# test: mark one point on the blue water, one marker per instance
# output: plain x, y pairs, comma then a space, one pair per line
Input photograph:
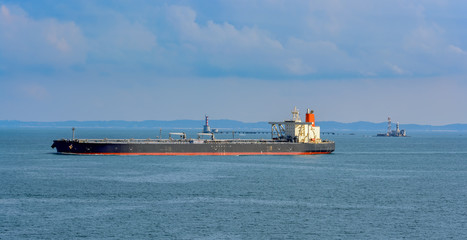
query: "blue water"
369, 188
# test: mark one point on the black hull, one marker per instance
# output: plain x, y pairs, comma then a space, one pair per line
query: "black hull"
191, 148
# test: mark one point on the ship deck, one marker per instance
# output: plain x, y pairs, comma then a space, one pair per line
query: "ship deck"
183, 141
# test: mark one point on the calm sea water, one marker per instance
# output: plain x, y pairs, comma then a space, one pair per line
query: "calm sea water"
369, 188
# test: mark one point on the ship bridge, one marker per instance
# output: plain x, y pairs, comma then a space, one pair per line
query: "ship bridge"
295, 130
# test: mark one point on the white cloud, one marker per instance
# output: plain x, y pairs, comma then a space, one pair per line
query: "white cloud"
396, 69
47, 41
425, 39
297, 67
223, 44
228, 46
271, 46
116, 41
214, 35
317, 56
304, 38
326, 17
51, 42
456, 49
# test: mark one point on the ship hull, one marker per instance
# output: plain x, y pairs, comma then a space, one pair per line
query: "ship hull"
189, 148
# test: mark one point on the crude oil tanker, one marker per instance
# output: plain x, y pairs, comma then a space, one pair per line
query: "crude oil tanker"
290, 137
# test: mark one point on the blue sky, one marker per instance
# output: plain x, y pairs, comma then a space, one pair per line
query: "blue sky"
359, 60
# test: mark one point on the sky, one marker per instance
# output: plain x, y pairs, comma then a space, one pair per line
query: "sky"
247, 60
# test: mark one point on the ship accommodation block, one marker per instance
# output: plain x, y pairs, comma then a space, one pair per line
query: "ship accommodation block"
303, 132
295, 130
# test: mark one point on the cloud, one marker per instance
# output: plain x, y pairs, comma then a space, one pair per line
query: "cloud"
213, 35
297, 67
321, 57
396, 69
457, 50
223, 45
331, 41
122, 39
244, 48
246, 54
47, 41
425, 39
261, 38
326, 17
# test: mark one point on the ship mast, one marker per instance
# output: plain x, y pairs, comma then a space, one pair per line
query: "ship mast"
296, 115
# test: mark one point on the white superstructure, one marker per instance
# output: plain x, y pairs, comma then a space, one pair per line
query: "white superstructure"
295, 130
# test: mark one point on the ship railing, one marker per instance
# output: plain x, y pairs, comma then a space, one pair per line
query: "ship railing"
121, 141
184, 141
106, 140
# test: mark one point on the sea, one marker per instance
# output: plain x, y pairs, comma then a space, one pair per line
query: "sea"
369, 188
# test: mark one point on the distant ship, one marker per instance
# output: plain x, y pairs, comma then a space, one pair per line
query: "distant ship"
393, 133
290, 137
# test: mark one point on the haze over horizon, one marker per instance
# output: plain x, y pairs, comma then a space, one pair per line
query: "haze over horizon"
234, 59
